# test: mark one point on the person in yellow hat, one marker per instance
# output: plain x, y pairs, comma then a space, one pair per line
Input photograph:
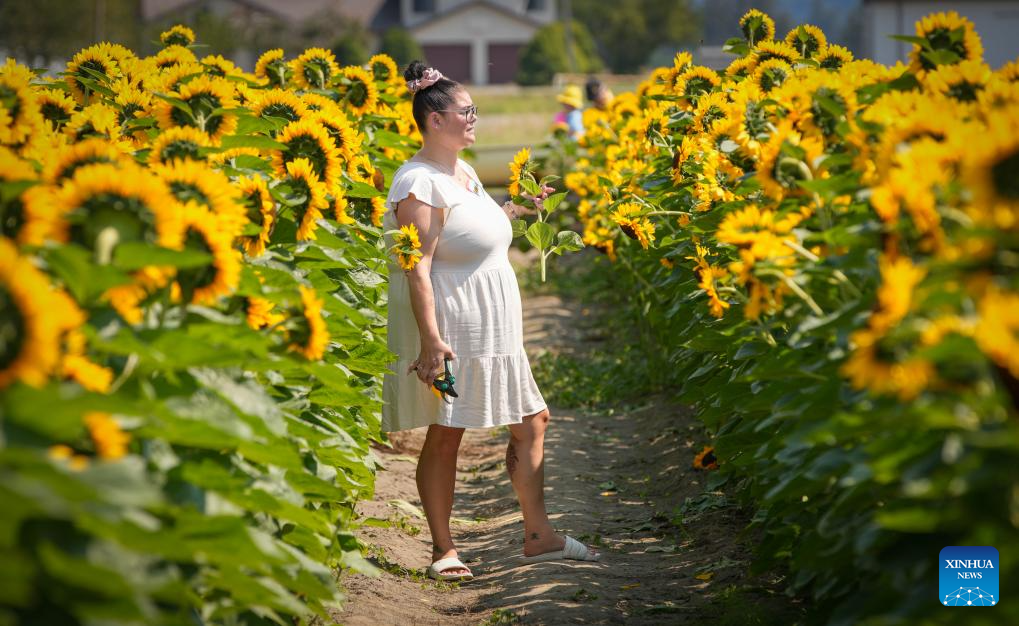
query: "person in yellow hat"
570, 116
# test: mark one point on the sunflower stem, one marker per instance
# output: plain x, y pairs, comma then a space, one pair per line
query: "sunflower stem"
129, 367
841, 277
106, 242
795, 289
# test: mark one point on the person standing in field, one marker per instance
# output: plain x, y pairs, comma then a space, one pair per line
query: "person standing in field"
570, 115
458, 310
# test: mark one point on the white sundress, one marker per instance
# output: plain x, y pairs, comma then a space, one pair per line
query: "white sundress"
477, 310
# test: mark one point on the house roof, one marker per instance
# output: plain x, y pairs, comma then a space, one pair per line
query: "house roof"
467, 6
362, 11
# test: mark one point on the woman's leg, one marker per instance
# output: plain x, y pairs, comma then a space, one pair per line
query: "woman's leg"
525, 463
436, 477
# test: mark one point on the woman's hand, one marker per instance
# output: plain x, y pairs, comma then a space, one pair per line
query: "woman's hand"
429, 363
519, 211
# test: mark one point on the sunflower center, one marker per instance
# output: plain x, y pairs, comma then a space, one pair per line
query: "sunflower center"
10, 101
180, 150
253, 204
697, 85
381, 71
964, 91
832, 62
945, 39
185, 191
128, 216
12, 329
73, 166
197, 277
280, 109
56, 114
357, 95
307, 147
12, 218
1005, 174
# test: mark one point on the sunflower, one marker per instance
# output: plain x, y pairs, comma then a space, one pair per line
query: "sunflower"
55, 106
206, 233
261, 212
771, 74
127, 299
899, 278
760, 232
177, 35
776, 50
706, 459
279, 103
757, 27
86, 152
406, 246
997, 329
945, 32
98, 58
807, 40
179, 143
342, 208
712, 112
20, 117
91, 376
315, 68
833, 57
873, 366
304, 183
103, 203
259, 313
345, 137
383, 69
359, 90
629, 217
203, 96
195, 181
217, 65
991, 171
15, 219
30, 321
518, 167
174, 55
788, 157
272, 67
961, 82
695, 82
97, 120
741, 67
310, 338
307, 139
109, 440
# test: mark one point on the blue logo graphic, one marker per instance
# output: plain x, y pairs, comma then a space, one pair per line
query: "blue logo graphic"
968, 576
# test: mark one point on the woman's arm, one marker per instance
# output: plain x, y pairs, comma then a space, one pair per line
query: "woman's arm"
434, 349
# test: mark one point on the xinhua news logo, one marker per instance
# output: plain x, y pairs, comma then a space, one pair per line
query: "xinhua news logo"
969, 576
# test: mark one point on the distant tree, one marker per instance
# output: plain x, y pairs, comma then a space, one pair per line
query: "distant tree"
50, 30
626, 31
399, 44
351, 47
720, 18
546, 54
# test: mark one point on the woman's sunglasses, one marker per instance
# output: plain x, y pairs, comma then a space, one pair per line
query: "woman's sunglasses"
469, 113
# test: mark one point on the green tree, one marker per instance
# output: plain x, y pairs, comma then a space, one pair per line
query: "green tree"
351, 48
627, 31
546, 54
399, 44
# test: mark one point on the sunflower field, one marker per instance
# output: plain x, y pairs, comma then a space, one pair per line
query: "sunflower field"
822, 254
192, 331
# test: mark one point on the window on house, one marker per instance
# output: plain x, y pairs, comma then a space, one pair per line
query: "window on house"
536, 5
424, 6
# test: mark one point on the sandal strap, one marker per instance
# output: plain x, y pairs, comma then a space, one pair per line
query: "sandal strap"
448, 563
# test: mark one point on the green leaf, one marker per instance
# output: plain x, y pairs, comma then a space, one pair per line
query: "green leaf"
568, 241
540, 234
519, 228
132, 255
357, 189
251, 141
552, 202
529, 186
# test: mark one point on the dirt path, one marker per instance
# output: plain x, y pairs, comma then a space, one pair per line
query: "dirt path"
613, 480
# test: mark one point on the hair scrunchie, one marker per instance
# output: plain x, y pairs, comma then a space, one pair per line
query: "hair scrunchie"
428, 78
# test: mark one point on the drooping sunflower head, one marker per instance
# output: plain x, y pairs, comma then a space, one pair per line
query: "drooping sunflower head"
203, 96
358, 91
776, 50
86, 152
207, 233
273, 68
56, 107
174, 55
771, 74
961, 81
31, 321
991, 171
182, 142
786, 159
105, 204
345, 137
194, 181
177, 35
695, 82
315, 68
833, 57
306, 328
706, 459
20, 117
950, 38
807, 40
218, 65
281, 104
84, 66
95, 120
757, 27
261, 213
307, 139
741, 67
309, 194
630, 218
384, 69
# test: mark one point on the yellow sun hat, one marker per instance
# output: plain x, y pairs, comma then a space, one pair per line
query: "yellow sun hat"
572, 96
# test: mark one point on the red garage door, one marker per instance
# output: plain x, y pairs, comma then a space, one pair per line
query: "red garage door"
453, 60
503, 62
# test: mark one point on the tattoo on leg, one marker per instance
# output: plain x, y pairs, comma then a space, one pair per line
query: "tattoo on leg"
511, 459
437, 550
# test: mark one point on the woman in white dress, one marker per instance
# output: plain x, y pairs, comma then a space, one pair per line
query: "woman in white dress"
461, 302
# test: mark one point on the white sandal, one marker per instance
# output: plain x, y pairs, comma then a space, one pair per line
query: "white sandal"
435, 570
572, 551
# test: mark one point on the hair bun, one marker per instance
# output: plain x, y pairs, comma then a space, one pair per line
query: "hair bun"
415, 70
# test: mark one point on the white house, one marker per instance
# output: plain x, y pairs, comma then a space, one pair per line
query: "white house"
996, 21
475, 41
